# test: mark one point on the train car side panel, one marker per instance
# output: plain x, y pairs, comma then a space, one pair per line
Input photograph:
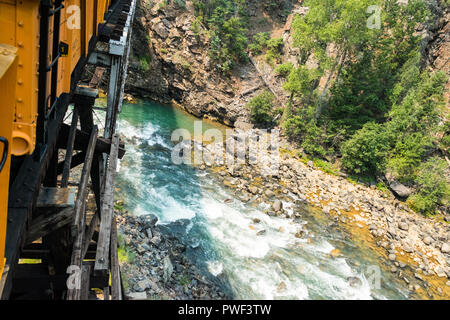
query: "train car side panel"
88, 26
73, 37
8, 72
27, 42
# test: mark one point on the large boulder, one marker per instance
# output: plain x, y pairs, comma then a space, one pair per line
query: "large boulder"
277, 205
400, 189
167, 269
161, 30
445, 248
242, 125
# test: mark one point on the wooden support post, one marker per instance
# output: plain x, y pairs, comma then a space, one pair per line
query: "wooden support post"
113, 93
97, 78
107, 211
75, 162
78, 224
87, 123
106, 293
82, 140
89, 233
80, 213
69, 150
116, 287
85, 281
44, 225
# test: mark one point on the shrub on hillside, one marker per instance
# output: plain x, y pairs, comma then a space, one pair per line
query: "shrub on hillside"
432, 186
366, 151
261, 108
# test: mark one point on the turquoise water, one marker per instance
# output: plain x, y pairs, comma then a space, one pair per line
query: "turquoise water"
190, 204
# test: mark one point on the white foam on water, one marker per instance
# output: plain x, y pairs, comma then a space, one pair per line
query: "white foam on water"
158, 140
171, 208
215, 267
337, 287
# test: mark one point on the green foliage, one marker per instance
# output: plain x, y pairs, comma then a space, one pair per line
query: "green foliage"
371, 69
261, 108
180, 3
283, 70
162, 5
414, 125
401, 143
300, 82
226, 21
274, 50
144, 63
274, 47
125, 253
119, 206
184, 280
366, 151
259, 42
325, 166
196, 27
271, 5
444, 142
432, 185
302, 128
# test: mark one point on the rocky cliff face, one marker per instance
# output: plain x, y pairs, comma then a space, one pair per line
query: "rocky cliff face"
437, 49
169, 62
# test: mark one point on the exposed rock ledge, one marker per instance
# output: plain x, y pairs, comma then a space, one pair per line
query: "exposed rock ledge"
172, 65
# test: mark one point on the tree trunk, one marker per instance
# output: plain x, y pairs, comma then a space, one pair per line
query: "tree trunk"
339, 62
288, 109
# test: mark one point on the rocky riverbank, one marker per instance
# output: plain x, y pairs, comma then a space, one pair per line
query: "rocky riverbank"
415, 248
154, 265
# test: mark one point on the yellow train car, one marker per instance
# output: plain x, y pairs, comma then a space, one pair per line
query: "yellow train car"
41, 44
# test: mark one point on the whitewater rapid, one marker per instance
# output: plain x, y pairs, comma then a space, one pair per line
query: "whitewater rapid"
221, 235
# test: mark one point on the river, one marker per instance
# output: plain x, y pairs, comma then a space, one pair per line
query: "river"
221, 236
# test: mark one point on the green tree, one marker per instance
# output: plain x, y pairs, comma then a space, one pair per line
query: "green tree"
365, 153
432, 186
261, 108
226, 21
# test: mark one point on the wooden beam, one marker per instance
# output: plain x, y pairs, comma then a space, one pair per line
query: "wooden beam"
87, 123
79, 221
89, 233
107, 211
69, 149
106, 293
80, 213
82, 139
85, 283
116, 283
75, 162
98, 74
37, 251
55, 198
46, 224
52, 221
36, 276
